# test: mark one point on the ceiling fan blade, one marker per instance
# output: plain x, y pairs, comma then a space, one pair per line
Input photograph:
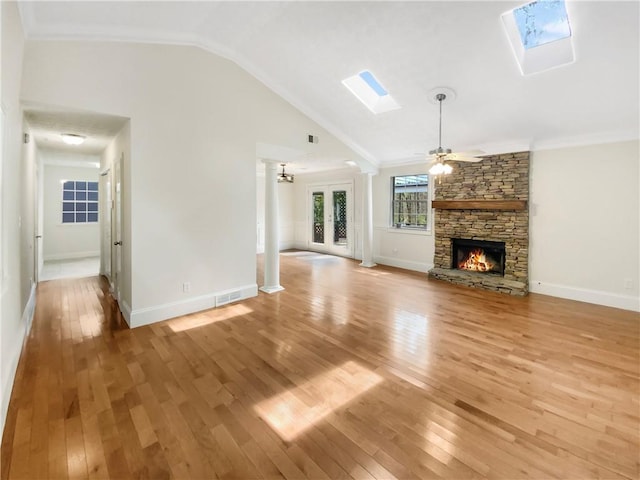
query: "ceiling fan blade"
471, 153
465, 159
460, 157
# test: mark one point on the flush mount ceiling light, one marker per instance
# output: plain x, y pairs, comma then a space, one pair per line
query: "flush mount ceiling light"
440, 155
72, 138
284, 177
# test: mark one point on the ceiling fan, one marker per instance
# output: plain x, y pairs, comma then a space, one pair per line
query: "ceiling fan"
441, 155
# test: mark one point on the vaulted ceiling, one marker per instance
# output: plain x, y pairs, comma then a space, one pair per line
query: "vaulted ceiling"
303, 50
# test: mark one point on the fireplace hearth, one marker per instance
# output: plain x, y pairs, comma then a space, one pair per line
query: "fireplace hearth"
480, 256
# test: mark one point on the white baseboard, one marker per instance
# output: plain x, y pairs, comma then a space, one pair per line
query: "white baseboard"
7, 383
148, 315
71, 256
125, 309
14, 356
286, 245
406, 264
29, 309
626, 302
300, 245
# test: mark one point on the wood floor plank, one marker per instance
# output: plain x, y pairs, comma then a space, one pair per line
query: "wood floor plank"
348, 373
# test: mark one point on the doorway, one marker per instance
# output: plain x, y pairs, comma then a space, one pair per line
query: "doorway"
330, 214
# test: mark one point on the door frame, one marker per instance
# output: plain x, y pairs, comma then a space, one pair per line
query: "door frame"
106, 202
116, 230
39, 220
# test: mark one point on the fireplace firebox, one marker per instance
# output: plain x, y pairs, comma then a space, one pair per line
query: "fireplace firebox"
478, 256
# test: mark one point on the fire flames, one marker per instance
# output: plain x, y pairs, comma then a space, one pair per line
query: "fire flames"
477, 262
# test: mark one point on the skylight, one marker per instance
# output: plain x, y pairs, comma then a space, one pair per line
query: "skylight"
542, 22
540, 35
366, 87
368, 77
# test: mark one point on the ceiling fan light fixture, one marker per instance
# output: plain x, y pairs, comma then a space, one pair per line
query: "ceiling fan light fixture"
72, 138
440, 168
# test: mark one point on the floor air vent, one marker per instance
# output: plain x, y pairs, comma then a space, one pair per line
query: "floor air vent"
228, 298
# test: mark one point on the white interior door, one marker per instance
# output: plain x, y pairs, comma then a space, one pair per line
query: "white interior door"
116, 229
106, 196
331, 219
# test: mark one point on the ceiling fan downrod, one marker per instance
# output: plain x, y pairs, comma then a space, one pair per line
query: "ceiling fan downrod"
440, 97
440, 152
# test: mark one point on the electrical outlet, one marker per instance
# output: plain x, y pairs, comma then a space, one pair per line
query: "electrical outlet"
628, 283
186, 287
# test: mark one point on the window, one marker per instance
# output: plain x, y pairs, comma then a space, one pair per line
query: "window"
79, 202
410, 201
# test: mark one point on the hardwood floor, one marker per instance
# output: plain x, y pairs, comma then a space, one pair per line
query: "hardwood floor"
348, 373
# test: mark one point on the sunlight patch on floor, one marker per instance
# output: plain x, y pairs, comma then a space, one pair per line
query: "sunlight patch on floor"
181, 324
293, 411
411, 337
372, 272
70, 268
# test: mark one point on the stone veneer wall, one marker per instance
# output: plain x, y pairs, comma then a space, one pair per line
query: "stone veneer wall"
499, 177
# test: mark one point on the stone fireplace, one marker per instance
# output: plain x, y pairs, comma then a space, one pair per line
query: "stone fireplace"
481, 224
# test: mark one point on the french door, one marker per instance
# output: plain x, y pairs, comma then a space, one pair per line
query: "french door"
330, 216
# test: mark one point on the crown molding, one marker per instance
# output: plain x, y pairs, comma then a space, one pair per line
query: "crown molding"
130, 35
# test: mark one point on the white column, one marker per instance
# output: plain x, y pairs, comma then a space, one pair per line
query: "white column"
367, 220
271, 230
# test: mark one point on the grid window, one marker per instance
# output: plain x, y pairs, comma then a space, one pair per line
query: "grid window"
410, 204
79, 202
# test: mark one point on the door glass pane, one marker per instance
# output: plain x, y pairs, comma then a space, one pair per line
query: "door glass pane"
318, 217
339, 217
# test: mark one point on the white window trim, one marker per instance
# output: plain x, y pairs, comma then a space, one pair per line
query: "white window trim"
411, 230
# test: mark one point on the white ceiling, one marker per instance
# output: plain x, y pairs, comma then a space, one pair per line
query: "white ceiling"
303, 50
49, 123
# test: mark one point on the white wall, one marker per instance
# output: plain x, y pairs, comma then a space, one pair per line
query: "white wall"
286, 209
584, 224
64, 241
195, 121
401, 248
15, 312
